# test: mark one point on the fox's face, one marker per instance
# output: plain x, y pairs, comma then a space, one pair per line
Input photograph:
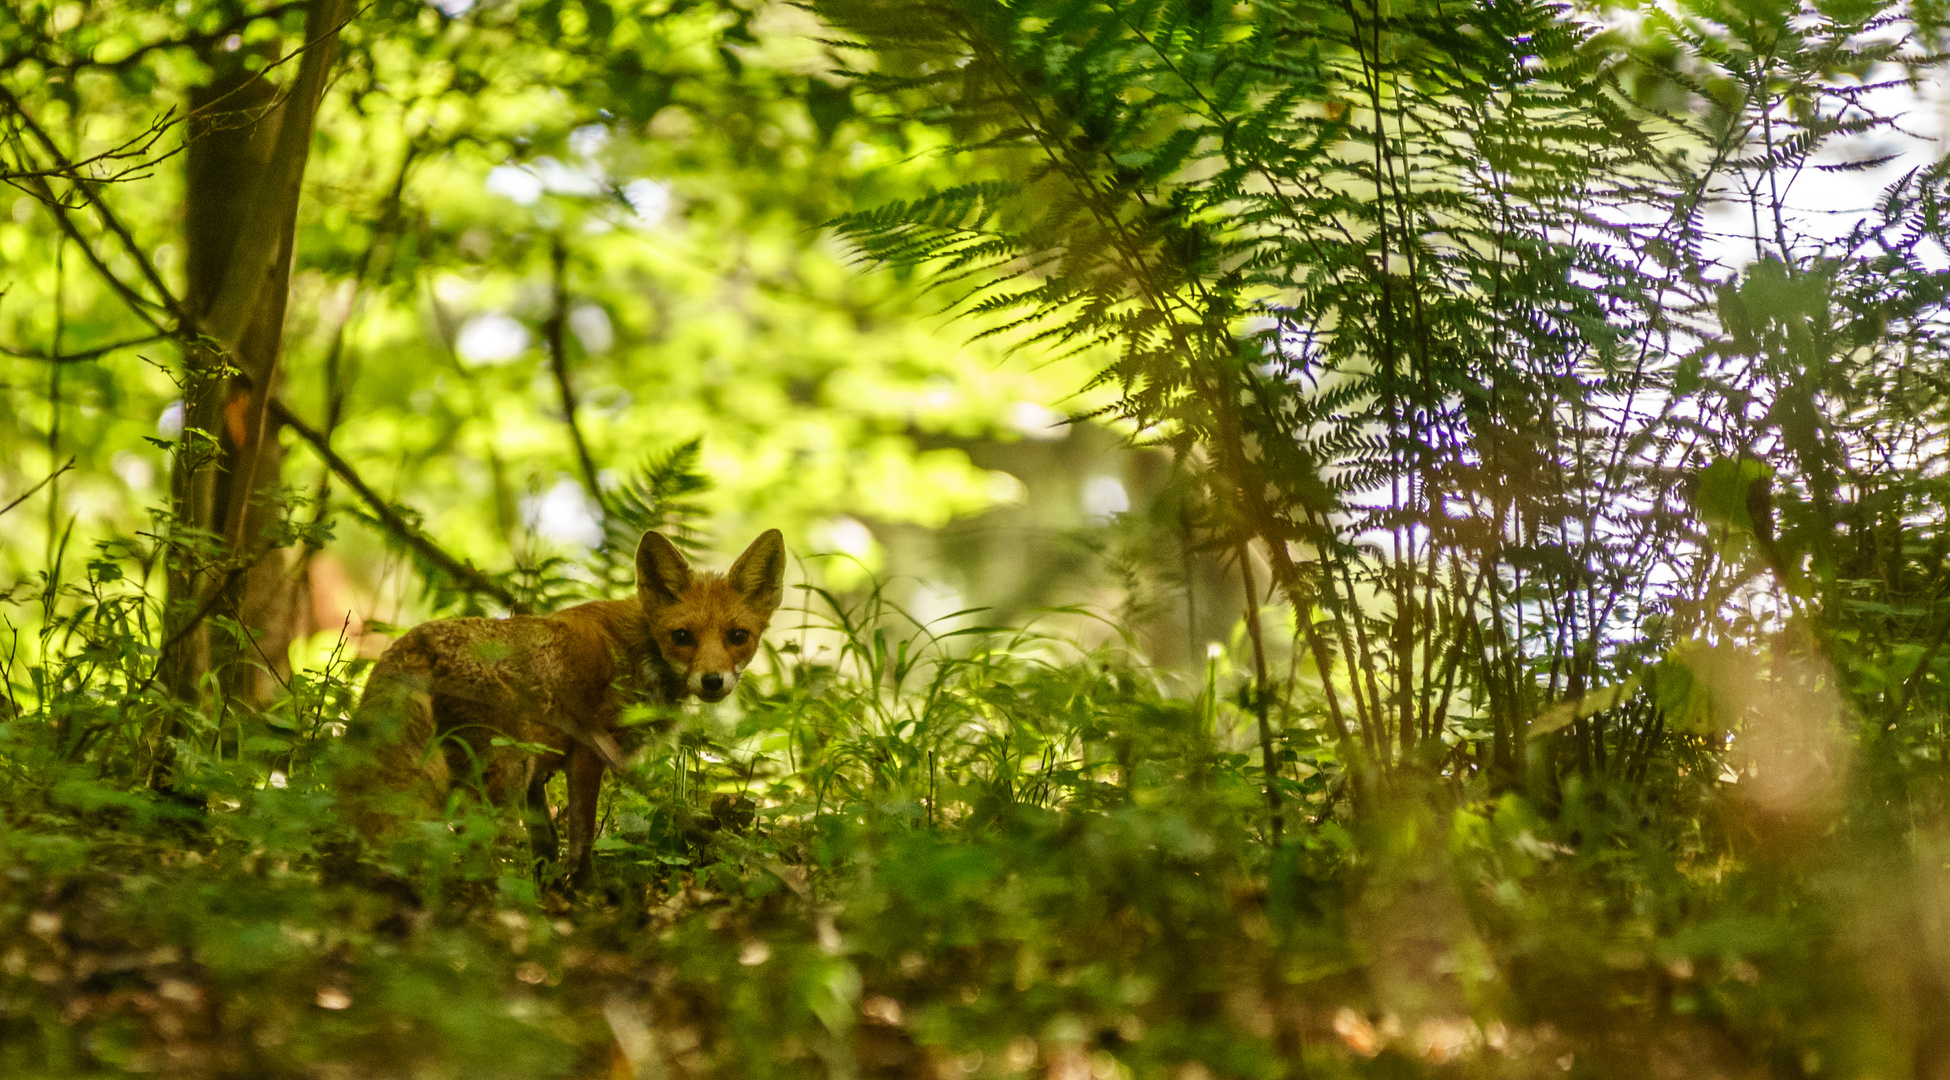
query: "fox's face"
706, 626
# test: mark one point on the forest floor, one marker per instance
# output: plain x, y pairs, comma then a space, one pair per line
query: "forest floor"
1157, 936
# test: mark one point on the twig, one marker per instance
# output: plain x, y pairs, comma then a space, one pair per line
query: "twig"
136, 147
165, 298
558, 362
168, 301
270, 665
137, 303
45, 481
83, 356
210, 603
7, 680
460, 570
1916, 675
387, 232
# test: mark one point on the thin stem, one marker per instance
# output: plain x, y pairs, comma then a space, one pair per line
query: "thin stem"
462, 572
558, 362
1269, 760
54, 392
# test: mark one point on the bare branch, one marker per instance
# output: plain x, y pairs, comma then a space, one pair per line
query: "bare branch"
310, 79
167, 298
210, 602
136, 146
558, 361
45, 481
136, 302
463, 572
84, 355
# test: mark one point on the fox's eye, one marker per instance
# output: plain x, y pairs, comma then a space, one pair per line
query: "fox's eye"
737, 637
683, 639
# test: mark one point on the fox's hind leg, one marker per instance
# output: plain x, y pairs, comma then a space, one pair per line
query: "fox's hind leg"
541, 826
519, 781
387, 768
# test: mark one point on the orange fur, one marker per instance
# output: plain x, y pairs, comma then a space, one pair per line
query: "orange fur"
443, 692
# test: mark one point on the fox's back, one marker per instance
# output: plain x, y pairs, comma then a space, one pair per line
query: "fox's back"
441, 695
518, 663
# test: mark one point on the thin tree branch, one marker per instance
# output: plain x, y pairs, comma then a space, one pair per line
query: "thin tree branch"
45, 481
558, 362
83, 356
136, 146
136, 302
182, 633
463, 572
166, 298
387, 232
310, 81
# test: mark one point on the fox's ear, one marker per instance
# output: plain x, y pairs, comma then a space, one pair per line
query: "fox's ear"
662, 575
759, 574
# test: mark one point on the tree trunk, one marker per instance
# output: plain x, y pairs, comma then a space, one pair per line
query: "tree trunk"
249, 139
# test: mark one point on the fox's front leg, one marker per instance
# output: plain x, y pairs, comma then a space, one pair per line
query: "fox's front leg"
585, 786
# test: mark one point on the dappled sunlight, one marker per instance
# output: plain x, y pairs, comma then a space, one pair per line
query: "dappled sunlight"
1294, 540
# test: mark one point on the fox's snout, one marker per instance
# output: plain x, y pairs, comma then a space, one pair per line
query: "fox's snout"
712, 685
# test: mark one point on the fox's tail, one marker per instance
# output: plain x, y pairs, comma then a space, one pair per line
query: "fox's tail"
388, 768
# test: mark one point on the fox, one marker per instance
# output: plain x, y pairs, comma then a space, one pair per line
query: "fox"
506, 703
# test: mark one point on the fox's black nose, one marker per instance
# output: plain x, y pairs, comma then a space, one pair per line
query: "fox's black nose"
712, 682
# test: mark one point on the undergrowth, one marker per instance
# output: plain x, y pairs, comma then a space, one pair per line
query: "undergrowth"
983, 853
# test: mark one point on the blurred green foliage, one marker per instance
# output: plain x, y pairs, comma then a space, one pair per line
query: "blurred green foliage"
683, 160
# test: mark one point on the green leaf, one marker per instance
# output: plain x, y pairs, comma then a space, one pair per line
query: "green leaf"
525, 747
1723, 493
1583, 707
829, 106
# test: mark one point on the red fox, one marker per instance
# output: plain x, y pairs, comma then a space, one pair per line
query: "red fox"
446, 692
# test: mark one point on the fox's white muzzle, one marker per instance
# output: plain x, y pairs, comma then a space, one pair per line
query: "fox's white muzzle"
712, 685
